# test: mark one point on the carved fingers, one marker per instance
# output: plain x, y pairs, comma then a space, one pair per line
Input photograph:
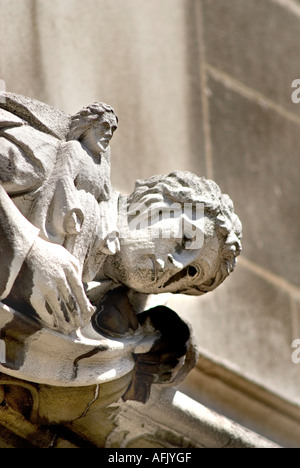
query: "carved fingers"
57, 294
169, 359
86, 309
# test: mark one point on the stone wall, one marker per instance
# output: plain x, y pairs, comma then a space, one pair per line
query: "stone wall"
200, 85
252, 136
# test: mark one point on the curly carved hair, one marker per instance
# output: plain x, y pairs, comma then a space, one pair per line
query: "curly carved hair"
86, 118
186, 187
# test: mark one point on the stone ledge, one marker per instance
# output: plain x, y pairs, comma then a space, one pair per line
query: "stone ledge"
170, 419
220, 386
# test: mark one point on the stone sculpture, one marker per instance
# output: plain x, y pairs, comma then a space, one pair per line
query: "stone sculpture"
81, 263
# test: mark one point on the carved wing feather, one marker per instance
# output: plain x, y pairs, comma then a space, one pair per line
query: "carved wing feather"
39, 115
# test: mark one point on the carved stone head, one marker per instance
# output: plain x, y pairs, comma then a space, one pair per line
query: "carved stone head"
180, 235
94, 126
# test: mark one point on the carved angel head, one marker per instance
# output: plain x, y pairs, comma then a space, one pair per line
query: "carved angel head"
94, 126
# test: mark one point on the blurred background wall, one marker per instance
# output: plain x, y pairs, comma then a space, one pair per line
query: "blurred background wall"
199, 85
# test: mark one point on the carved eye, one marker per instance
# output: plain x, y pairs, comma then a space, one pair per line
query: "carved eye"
192, 271
105, 126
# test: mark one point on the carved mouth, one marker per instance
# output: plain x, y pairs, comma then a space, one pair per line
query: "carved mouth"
189, 272
104, 142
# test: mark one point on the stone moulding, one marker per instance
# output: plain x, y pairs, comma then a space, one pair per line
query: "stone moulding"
84, 358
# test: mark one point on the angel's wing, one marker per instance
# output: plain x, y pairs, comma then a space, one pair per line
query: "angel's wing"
41, 116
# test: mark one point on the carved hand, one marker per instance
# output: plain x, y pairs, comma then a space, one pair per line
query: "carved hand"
57, 293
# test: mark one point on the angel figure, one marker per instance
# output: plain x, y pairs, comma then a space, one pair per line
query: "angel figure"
54, 181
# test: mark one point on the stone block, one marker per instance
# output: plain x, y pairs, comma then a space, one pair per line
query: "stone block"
255, 42
256, 160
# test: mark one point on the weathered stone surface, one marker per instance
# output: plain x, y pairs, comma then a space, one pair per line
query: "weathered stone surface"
254, 42
255, 152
